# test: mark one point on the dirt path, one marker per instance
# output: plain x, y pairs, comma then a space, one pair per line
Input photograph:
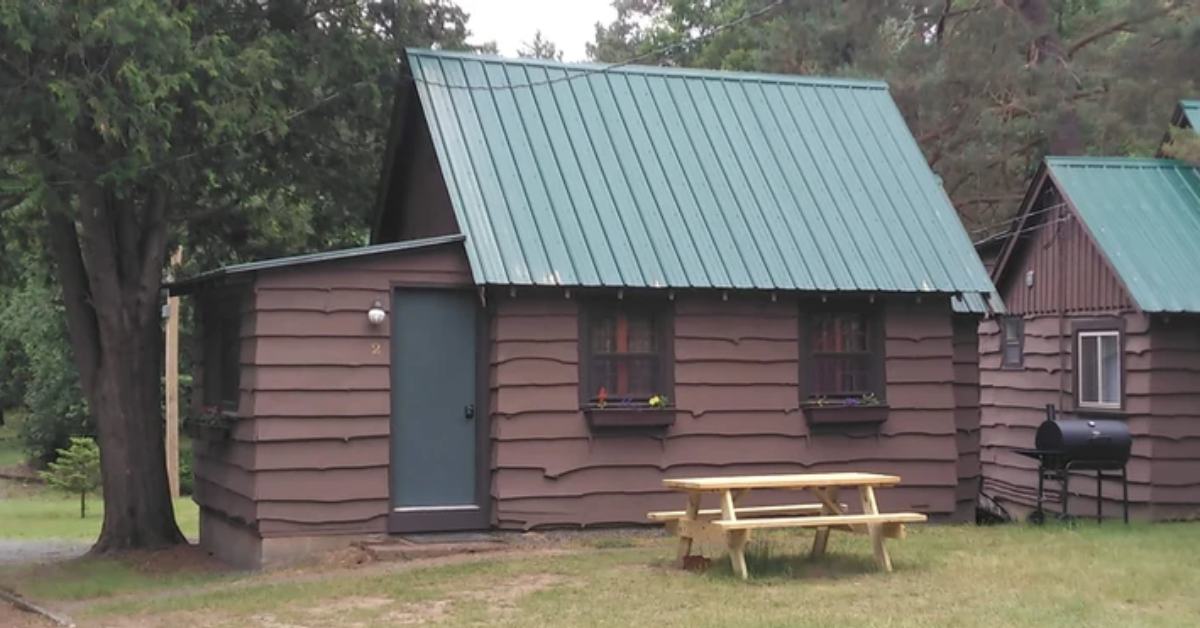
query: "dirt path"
12, 617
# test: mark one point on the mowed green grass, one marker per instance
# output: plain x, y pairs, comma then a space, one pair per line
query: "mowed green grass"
30, 512
1142, 575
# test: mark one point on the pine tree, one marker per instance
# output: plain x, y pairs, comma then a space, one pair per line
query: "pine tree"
77, 470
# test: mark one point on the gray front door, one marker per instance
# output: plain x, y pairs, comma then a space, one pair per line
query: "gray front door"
435, 423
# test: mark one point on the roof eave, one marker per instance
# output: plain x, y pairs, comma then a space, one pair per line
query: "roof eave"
192, 284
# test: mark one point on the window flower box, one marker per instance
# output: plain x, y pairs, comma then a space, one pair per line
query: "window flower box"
638, 416
845, 414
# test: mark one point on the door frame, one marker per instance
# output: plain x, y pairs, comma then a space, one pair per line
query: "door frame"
450, 519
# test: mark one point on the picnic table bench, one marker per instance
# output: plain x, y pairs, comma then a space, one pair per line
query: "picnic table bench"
731, 524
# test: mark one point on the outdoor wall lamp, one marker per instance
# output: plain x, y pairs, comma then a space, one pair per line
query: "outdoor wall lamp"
376, 315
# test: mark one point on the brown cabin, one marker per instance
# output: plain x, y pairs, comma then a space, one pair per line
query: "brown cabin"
1100, 275
583, 282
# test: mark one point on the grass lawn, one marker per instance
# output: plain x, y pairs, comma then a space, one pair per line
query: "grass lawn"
1143, 575
34, 512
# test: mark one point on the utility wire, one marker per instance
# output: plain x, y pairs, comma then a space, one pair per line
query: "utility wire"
1007, 234
1012, 219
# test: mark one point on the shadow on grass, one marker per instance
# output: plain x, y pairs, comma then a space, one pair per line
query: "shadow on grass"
767, 562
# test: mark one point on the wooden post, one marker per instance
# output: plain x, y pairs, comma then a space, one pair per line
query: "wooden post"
172, 381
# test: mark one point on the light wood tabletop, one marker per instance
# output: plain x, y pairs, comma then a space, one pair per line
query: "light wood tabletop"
793, 480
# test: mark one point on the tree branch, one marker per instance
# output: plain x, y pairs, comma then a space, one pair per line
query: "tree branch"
151, 253
1115, 27
81, 317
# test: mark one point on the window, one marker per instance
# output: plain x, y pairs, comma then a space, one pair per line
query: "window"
626, 354
1099, 363
844, 355
1012, 342
221, 326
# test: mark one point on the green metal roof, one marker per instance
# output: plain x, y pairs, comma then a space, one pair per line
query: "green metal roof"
186, 285
1144, 214
1190, 110
583, 175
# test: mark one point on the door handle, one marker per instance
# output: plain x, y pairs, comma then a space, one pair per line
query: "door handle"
469, 411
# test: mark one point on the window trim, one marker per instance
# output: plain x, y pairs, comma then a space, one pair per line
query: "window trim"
1093, 329
876, 343
663, 312
1004, 343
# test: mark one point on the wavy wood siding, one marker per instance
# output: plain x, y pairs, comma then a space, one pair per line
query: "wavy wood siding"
312, 454
737, 366
966, 413
1175, 405
1161, 395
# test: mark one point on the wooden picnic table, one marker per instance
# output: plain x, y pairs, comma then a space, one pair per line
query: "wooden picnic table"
731, 524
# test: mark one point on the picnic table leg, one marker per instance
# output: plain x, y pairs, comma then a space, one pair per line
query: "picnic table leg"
693, 513
737, 539
870, 507
829, 500
737, 552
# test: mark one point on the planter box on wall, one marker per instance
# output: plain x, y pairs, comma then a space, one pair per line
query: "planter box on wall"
845, 415
599, 418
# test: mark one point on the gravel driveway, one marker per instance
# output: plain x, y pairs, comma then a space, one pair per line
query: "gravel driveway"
15, 552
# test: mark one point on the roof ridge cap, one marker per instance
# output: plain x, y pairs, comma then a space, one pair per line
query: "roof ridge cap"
659, 70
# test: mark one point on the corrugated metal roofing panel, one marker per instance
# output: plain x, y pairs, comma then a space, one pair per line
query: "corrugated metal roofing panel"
1144, 214
573, 174
1191, 112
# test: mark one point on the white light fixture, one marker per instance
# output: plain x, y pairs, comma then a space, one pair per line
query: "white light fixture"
376, 315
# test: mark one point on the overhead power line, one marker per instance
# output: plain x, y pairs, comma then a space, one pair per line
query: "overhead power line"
1031, 229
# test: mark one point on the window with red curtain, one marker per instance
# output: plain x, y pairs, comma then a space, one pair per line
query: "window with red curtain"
626, 352
844, 359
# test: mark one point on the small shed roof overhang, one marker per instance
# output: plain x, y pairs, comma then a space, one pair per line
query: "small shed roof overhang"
233, 272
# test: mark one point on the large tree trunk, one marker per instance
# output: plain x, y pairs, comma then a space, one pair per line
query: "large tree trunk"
109, 263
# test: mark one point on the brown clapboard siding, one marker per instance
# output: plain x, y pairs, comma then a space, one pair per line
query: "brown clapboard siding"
311, 454
967, 413
736, 392
1174, 371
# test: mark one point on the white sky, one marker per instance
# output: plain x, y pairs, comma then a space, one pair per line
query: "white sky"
570, 24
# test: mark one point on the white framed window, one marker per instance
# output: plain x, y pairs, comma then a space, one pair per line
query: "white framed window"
1099, 364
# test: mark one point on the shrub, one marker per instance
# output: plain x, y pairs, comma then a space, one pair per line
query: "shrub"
31, 317
76, 471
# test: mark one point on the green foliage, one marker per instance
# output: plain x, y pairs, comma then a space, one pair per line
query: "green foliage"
76, 471
187, 477
540, 48
1183, 144
39, 362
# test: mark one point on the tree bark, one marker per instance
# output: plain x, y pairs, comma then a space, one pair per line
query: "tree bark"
110, 267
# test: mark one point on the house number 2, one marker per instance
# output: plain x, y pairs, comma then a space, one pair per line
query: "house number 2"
376, 348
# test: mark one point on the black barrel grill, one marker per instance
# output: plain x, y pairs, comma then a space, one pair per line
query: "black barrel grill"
1064, 445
